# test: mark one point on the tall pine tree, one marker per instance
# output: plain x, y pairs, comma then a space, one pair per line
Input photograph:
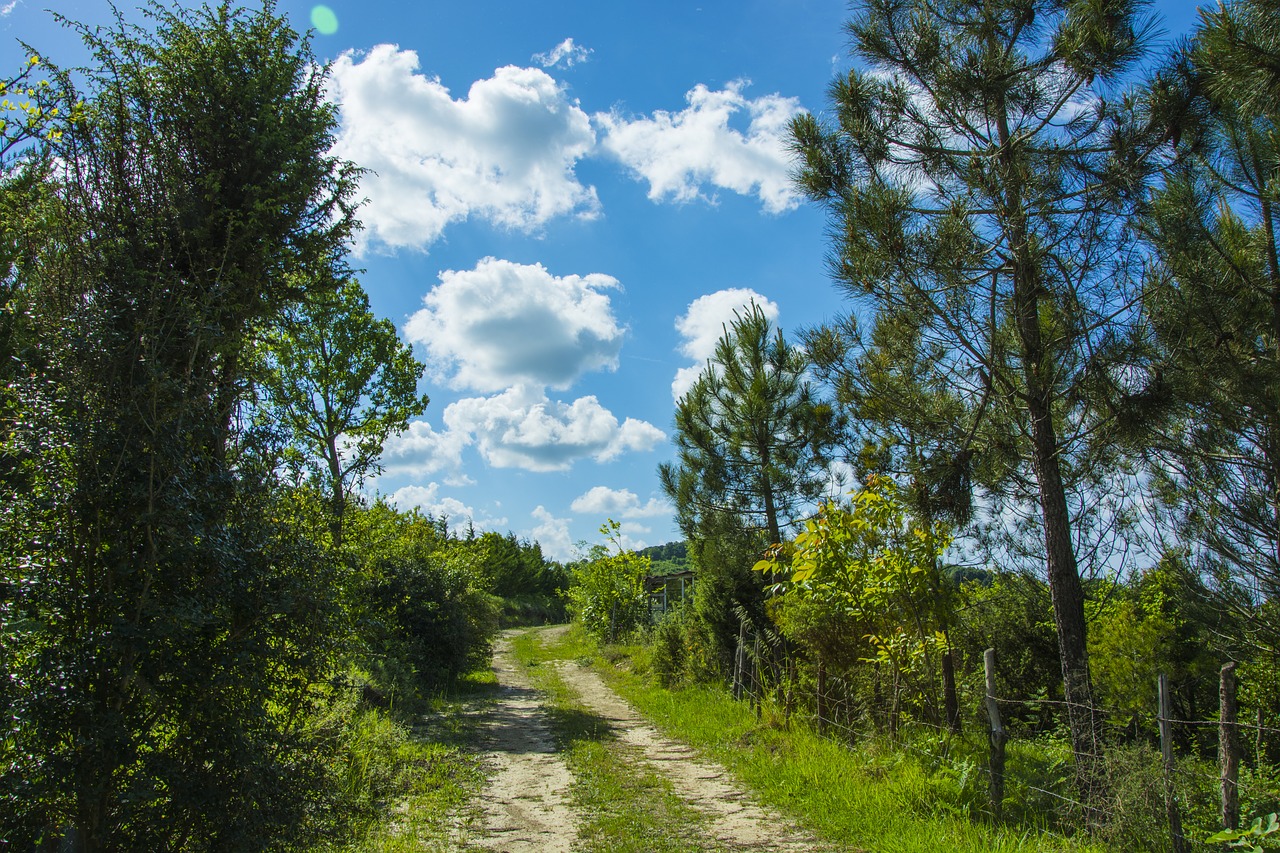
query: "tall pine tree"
979, 172
1213, 298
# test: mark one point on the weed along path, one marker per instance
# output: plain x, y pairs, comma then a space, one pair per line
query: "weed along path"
535, 801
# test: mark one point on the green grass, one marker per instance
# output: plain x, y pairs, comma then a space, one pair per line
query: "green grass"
873, 797
416, 772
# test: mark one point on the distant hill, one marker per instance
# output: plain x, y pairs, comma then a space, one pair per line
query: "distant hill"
667, 559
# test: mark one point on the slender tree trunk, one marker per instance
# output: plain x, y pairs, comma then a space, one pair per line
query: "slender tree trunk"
1065, 590
766, 488
950, 698
338, 500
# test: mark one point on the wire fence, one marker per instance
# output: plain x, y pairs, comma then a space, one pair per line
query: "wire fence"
1133, 787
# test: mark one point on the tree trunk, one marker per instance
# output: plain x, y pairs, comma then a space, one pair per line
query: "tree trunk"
1065, 589
950, 699
338, 498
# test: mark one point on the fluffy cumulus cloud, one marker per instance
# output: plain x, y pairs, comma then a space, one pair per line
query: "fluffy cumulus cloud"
703, 324
681, 153
618, 503
421, 450
429, 500
522, 428
552, 534
503, 324
564, 55
505, 153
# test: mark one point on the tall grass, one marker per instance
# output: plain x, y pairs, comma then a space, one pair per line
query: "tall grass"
407, 778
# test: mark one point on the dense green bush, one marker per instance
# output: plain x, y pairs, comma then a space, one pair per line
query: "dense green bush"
725, 587
607, 594
680, 648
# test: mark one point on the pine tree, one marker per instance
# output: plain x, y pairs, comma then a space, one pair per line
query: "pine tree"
1213, 299
753, 438
979, 173
754, 443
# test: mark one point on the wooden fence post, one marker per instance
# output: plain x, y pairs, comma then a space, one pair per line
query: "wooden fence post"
1166, 751
740, 660
1229, 746
997, 736
822, 696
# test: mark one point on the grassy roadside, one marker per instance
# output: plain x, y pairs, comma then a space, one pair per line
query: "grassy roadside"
865, 799
622, 805
418, 770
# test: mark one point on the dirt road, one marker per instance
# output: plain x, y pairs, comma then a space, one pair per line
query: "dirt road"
528, 805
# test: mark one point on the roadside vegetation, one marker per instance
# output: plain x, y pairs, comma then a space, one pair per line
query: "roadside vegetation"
1048, 427
874, 795
209, 638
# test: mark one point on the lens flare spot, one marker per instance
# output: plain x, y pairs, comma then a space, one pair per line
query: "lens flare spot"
324, 20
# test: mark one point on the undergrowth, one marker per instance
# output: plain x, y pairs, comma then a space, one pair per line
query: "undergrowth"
406, 775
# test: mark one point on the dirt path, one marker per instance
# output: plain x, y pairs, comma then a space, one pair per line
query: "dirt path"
527, 804
733, 819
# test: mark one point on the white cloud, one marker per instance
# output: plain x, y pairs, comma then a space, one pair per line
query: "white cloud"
503, 323
505, 153
428, 499
522, 428
703, 324
420, 450
618, 503
564, 55
679, 153
552, 534
8, 8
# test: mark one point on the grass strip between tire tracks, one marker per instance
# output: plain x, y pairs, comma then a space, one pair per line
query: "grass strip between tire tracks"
623, 805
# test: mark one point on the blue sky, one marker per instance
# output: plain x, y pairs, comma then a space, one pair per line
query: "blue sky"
566, 201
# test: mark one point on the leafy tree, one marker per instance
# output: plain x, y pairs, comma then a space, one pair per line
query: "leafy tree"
906, 420
1213, 299
1155, 622
980, 176
607, 593
339, 381
164, 623
878, 568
